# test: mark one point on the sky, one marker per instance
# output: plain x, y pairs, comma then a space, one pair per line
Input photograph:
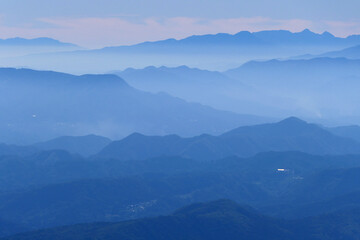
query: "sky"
99, 23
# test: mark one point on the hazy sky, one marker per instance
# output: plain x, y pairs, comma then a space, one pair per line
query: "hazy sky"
97, 23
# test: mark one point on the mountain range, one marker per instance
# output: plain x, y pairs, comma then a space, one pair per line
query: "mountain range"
243, 39
309, 88
350, 53
322, 88
34, 42
221, 219
17, 47
53, 104
56, 188
83, 145
168, 150
210, 88
291, 134
195, 51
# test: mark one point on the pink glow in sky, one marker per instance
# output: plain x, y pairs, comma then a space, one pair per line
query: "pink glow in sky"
99, 23
100, 32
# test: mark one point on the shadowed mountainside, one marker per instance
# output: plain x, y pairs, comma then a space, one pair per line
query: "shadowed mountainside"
291, 134
221, 219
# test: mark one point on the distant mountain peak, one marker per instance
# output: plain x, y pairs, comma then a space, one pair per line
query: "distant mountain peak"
293, 120
41, 41
243, 33
306, 30
327, 34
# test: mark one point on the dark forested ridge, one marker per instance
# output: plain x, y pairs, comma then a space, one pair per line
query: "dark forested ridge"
56, 188
123, 188
271, 167
221, 219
